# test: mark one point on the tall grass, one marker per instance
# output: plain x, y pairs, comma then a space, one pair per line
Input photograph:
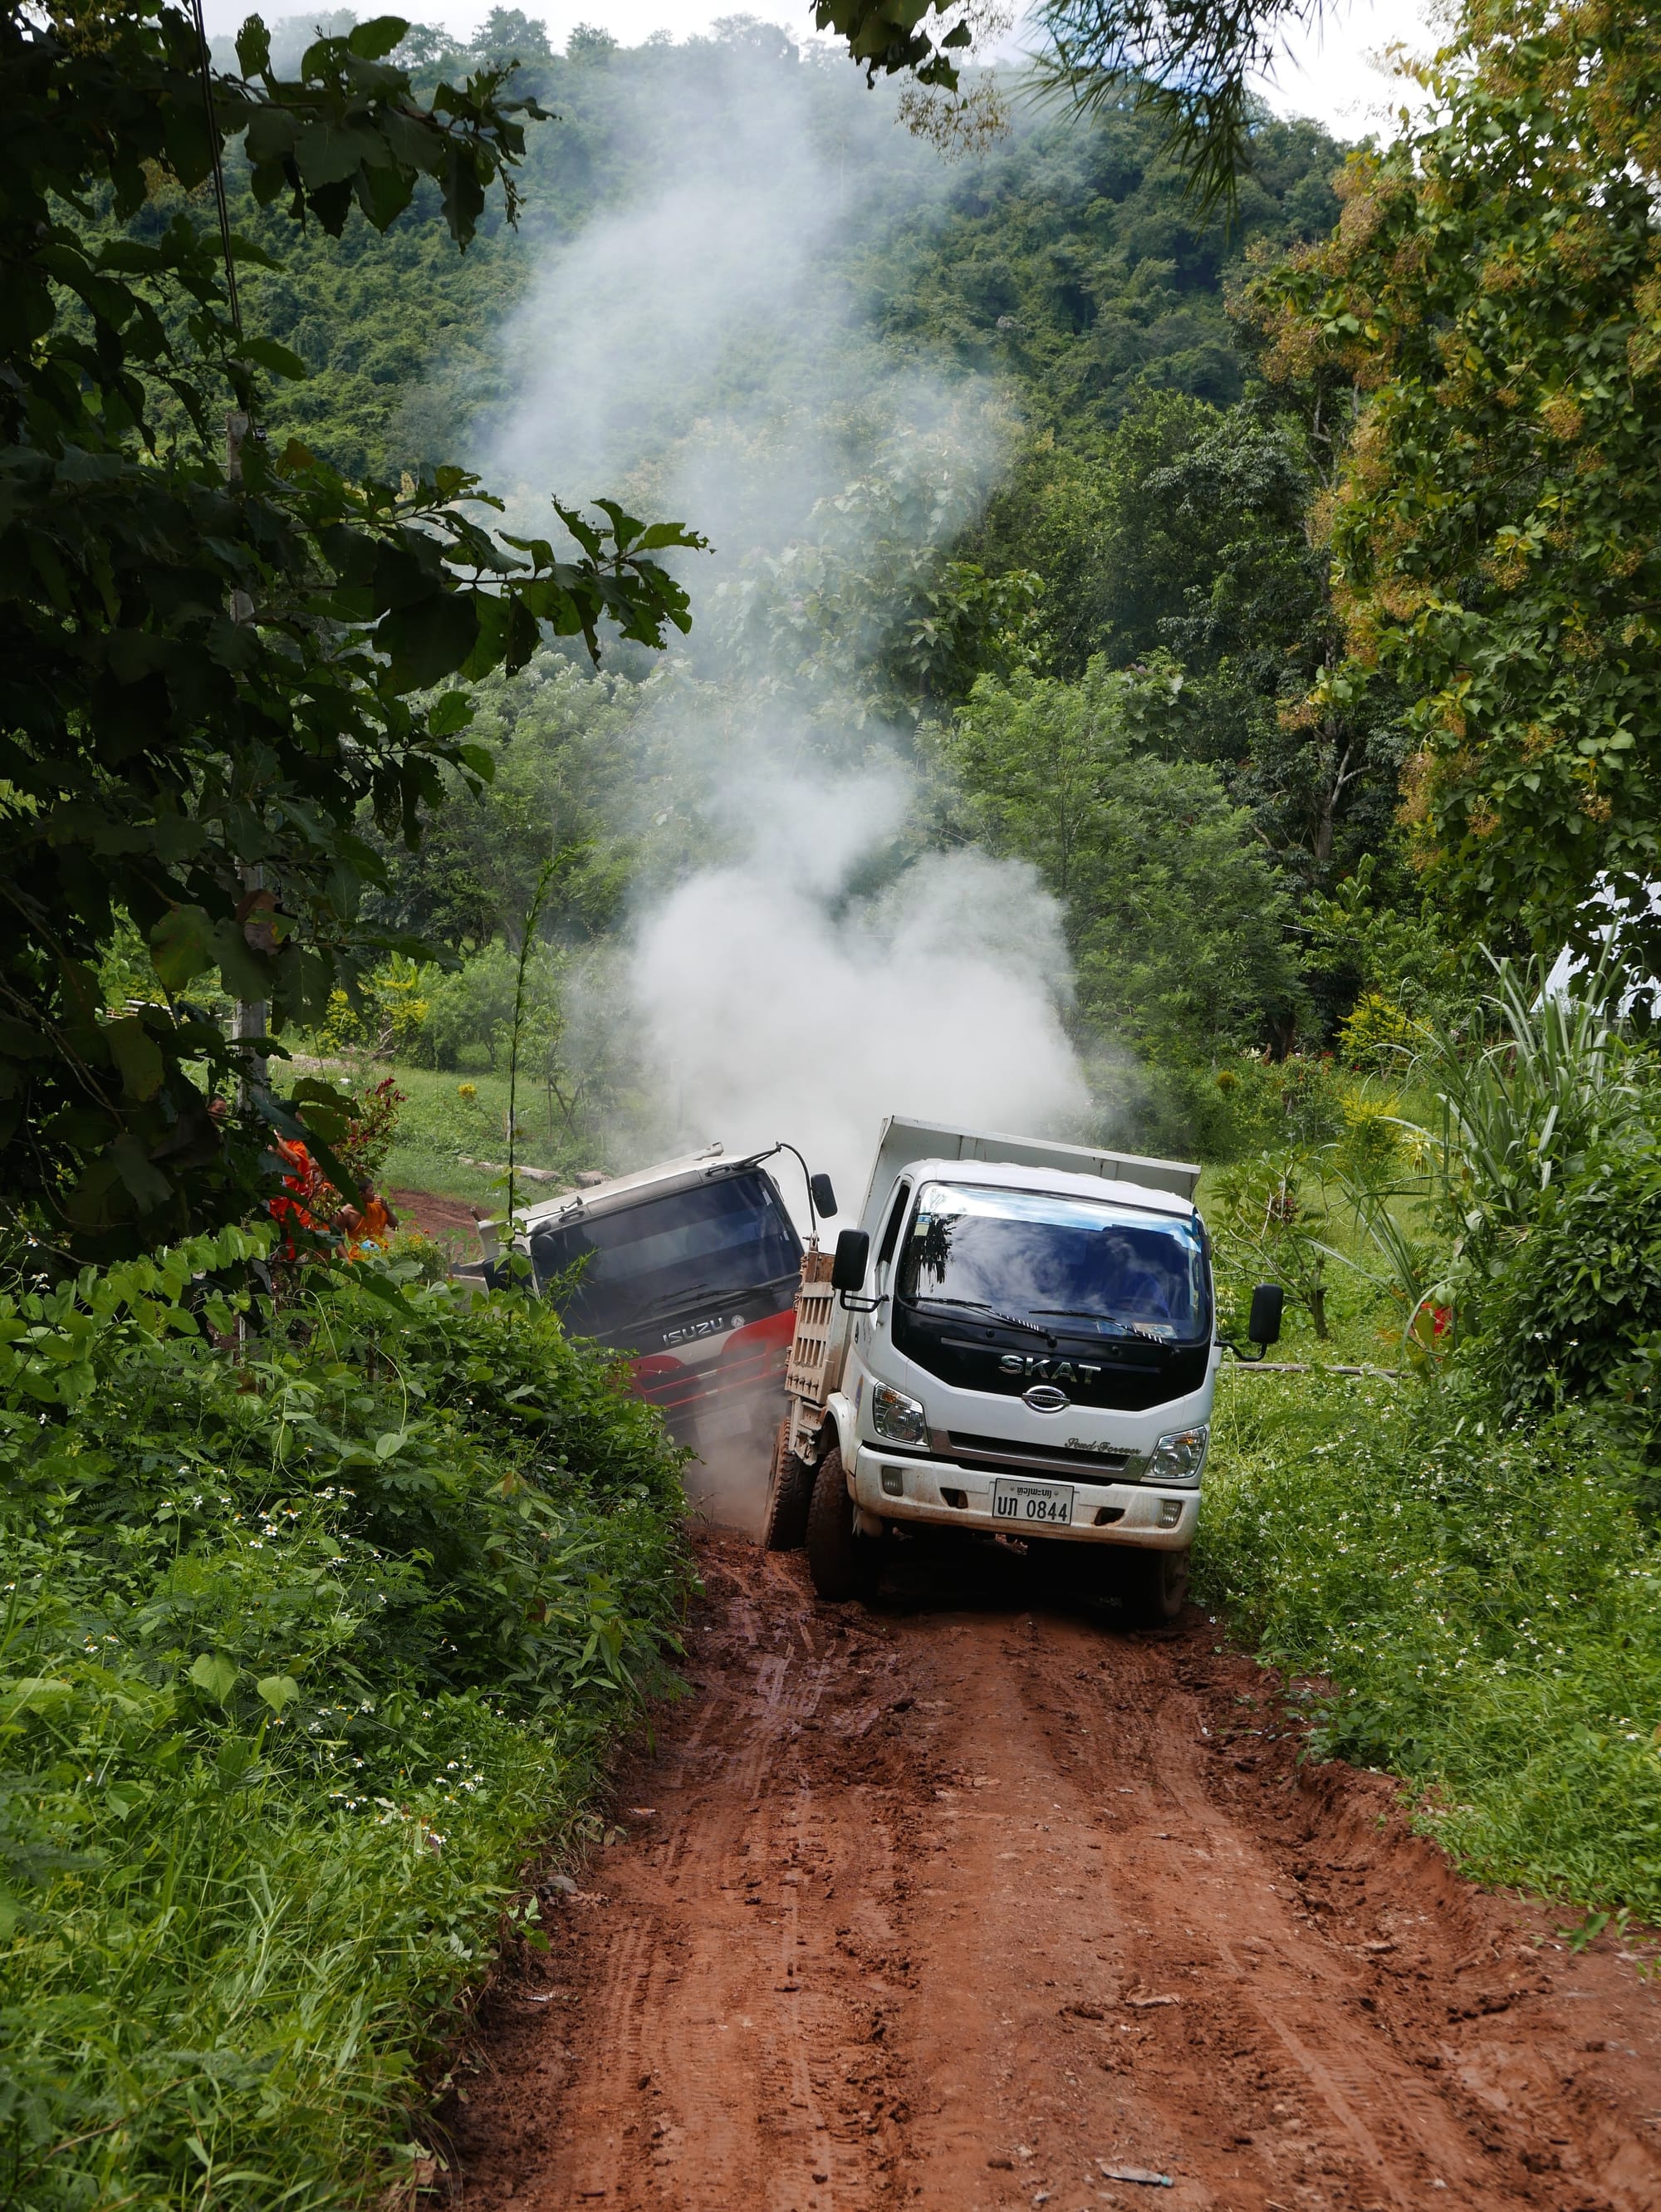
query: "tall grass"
303, 1649
1465, 1559
1482, 1605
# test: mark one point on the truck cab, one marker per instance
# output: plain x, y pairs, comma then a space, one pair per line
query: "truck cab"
691, 1267
1023, 1345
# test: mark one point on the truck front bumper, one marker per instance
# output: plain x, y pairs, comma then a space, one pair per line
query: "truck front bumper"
942, 1494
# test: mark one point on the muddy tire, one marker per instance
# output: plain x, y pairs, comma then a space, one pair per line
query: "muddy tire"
790, 1491
1154, 1588
842, 1563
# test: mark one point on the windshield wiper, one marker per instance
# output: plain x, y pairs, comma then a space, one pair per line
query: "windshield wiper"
679, 1298
1109, 1321
979, 1305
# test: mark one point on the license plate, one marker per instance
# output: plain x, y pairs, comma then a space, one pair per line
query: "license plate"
1032, 1504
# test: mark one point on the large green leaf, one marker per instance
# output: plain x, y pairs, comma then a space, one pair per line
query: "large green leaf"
429, 640
214, 1675
181, 945
138, 1056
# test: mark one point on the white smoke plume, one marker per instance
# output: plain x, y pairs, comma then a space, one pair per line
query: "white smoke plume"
696, 349
784, 1007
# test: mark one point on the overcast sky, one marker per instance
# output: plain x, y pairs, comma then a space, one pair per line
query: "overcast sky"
1328, 73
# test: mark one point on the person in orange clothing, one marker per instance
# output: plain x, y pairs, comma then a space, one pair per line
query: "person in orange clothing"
304, 1178
374, 1225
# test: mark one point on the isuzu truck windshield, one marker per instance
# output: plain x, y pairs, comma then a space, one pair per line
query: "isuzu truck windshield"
724, 1240
1058, 1265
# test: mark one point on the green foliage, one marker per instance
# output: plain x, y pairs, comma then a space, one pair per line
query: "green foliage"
1493, 292
1532, 1088
1069, 264
1268, 1220
573, 772
387, 1016
1576, 1312
1185, 544
1544, 1182
470, 1019
1398, 949
209, 659
1175, 918
1479, 1602
863, 613
301, 1644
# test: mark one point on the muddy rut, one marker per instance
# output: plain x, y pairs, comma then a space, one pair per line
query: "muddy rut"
972, 1901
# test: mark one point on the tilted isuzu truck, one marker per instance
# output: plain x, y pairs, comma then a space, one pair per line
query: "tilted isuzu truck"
691, 1267
1019, 1338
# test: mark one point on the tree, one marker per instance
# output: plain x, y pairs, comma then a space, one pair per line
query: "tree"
1256, 632
1188, 542
214, 655
1191, 63
1176, 918
509, 34
1494, 294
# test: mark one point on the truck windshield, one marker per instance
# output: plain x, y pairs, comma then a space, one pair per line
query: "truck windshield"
1073, 1265
717, 1241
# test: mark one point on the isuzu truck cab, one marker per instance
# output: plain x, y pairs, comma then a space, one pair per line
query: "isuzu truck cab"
690, 1266
1018, 1340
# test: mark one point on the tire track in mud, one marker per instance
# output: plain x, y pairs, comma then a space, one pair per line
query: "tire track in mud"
968, 1899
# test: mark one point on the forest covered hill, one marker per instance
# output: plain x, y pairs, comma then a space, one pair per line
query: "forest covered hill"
1063, 277
1068, 259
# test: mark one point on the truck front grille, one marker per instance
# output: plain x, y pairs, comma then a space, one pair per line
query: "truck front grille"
996, 1454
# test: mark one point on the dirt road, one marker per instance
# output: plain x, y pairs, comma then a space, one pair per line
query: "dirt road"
971, 1901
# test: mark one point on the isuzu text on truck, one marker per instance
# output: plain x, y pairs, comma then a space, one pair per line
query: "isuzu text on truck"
1018, 1339
692, 1266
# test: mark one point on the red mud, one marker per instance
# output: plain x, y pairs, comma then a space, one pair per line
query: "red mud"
445, 1219
962, 1900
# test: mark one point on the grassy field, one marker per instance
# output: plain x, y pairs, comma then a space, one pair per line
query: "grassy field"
450, 1123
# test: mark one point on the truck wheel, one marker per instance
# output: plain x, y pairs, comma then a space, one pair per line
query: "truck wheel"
1155, 1588
789, 1487
842, 1563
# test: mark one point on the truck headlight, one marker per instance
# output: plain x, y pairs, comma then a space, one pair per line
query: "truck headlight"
1179, 1456
898, 1417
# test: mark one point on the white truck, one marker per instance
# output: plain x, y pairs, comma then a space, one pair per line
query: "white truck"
1018, 1339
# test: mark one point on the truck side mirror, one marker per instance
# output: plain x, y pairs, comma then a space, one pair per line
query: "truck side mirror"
853, 1251
1264, 1327
824, 1198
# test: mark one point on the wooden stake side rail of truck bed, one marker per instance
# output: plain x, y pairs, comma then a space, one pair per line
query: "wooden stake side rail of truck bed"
815, 1366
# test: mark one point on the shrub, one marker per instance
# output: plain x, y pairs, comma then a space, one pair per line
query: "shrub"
1377, 1035
1533, 1086
304, 1644
1478, 1604
387, 1017
1574, 1307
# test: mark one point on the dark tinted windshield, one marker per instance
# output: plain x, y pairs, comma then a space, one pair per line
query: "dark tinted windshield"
690, 1248
1076, 1266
